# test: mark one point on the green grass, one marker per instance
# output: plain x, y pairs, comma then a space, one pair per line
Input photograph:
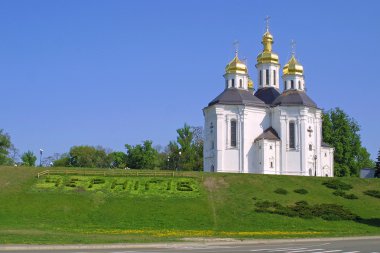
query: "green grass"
221, 205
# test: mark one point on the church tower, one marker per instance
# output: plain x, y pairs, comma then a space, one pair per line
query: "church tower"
236, 75
268, 68
293, 75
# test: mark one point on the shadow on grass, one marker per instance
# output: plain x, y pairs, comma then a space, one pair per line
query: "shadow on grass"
371, 222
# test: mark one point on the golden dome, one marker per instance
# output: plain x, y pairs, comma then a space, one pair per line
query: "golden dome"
293, 67
267, 56
250, 84
236, 66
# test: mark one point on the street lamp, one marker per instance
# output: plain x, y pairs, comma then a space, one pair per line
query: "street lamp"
41, 150
167, 164
179, 158
315, 165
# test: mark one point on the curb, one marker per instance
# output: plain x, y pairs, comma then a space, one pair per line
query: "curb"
198, 242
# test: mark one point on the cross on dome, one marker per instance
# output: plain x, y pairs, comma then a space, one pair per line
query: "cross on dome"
293, 45
267, 18
236, 46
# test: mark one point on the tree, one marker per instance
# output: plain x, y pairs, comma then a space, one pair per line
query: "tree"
377, 167
5, 146
117, 159
187, 152
88, 156
342, 132
29, 159
142, 156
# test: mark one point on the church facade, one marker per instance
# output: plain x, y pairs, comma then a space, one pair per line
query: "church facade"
268, 131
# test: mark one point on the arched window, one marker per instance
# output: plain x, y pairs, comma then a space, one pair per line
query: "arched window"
310, 147
233, 133
292, 135
271, 164
233, 82
212, 145
212, 169
261, 77
299, 84
226, 83
241, 83
211, 128
274, 77
267, 76
291, 84
285, 86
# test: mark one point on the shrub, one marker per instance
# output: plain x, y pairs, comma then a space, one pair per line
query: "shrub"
303, 210
373, 193
337, 185
281, 191
301, 191
343, 194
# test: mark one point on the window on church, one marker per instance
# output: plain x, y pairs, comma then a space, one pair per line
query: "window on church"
261, 77
212, 145
292, 84
211, 128
226, 83
274, 77
233, 133
310, 147
299, 84
271, 164
270, 147
267, 76
286, 87
325, 154
241, 83
292, 135
233, 82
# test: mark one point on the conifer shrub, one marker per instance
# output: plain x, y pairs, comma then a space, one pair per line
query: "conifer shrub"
373, 193
343, 194
303, 210
336, 184
281, 191
301, 191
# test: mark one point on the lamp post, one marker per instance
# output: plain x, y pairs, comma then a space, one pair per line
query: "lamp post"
41, 150
179, 158
315, 165
167, 164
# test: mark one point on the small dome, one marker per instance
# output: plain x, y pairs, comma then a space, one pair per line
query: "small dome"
293, 67
267, 36
236, 66
250, 84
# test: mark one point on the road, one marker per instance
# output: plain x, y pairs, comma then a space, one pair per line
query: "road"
357, 245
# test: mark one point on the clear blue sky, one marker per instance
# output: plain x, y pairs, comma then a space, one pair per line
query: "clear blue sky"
115, 72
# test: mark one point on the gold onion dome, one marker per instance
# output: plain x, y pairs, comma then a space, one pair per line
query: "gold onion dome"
250, 83
267, 56
236, 66
293, 67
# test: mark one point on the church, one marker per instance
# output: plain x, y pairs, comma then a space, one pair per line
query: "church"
270, 130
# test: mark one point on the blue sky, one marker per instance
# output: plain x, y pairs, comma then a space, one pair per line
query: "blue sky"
115, 72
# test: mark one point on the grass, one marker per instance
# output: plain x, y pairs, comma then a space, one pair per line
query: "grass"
221, 205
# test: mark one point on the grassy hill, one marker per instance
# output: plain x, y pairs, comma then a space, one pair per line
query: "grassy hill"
220, 205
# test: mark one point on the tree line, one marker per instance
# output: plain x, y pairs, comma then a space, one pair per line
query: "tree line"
186, 153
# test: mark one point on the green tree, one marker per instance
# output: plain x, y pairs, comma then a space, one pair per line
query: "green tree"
117, 159
377, 167
187, 152
142, 156
88, 156
5, 146
342, 132
62, 161
29, 159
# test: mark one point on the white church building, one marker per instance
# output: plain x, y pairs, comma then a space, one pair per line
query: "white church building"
268, 131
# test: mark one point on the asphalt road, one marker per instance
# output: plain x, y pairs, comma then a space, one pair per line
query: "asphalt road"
357, 245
